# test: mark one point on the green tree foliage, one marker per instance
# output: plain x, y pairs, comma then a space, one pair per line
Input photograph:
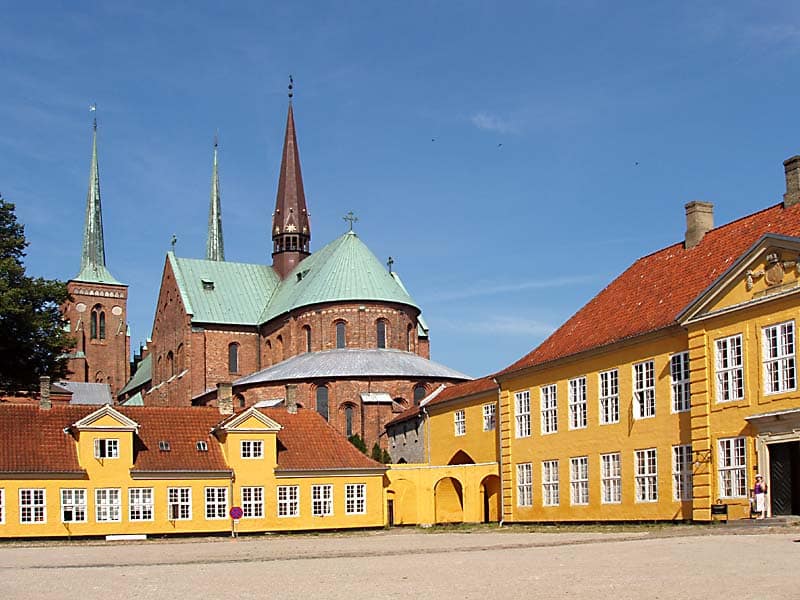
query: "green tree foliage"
386, 458
356, 440
32, 336
377, 453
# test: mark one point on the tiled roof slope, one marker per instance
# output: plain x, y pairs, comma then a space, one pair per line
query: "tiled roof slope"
654, 290
307, 442
240, 290
33, 440
343, 270
452, 392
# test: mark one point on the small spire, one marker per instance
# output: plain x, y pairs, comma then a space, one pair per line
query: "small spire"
291, 87
389, 263
215, 248
351, 218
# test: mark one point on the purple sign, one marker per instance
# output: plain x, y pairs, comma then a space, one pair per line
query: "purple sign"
236, 512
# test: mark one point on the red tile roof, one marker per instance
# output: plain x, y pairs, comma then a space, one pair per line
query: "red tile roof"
654, 290
33, 440
308, 442
451, 392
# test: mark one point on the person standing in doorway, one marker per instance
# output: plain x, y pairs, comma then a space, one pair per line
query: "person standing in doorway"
760, 492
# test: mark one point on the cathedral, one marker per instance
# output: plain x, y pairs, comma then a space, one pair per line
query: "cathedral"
333, 330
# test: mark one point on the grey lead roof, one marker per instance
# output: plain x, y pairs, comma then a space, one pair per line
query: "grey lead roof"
345, 362
88, 393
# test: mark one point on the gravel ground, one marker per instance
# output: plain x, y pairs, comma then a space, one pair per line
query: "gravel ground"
684, 562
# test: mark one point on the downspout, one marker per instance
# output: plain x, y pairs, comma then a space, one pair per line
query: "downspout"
427, 433
499, 454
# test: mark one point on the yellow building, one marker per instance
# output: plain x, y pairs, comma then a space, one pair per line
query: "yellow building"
672, 388
87, 471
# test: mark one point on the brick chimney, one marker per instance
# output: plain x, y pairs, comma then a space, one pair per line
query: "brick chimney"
225, 397
291, 398
699, 221
44, 393
791, 167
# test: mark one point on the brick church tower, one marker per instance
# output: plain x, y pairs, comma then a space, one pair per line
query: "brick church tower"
98, 311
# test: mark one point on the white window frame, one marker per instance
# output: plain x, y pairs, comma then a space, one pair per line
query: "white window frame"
550, 492
682, 473
608, 383
252, 502
644, 389
729, 363
680, 377
73, 501
524, 484
460, 423
288, 501
141, 505
33, 503
548, 399
611, 478
106, 448
778, 354
646, 462
355, 499
216, 502
322, 500
732, 467
577, 403
252, 449
489, 417
522, 412
108, 505
579, 480
179, 503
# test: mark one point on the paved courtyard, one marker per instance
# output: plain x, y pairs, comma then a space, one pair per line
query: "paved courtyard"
682, 562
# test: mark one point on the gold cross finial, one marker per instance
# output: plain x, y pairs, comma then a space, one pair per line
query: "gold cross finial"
351, 218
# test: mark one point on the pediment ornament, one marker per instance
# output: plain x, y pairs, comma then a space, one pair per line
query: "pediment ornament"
773, 272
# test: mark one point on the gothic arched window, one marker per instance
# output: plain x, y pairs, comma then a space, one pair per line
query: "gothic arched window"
97, 323
348, 420
419, 394
341, 334
322, 401
307, 335
233, 358
381, 333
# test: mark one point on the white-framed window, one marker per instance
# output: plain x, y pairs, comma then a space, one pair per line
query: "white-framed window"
550, 495
460, 422
355, 499
216, 503
679, 374
288, 501
579, 480
489, 417
322, 500
646, 475
107, 505
252, 449
252, 502
179, 503
644, 389
73, 506
732, 468
32, 506
577, 403
730, 369
522, 411
611, 478
609, 397
682, 472
524, 484
549, 404
779, 363
140, 504
106, 448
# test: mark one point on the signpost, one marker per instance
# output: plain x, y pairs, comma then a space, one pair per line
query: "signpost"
236, 513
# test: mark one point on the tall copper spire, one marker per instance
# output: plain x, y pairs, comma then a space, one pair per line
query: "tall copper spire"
93, 252
291, 230
215, 248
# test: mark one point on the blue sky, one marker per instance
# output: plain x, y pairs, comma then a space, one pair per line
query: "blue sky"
511, 157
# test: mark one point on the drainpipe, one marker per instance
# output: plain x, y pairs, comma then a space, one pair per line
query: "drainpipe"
427, 433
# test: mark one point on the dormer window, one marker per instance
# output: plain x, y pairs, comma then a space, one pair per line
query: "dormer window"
208, 284
106, 448
252, 449
163, 446
202, 446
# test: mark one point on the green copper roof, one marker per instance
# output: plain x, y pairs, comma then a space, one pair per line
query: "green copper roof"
143, 375
223, 292
93, 253
343, 270
215, 248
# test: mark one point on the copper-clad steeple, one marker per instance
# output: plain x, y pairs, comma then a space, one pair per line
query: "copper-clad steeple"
215, 248
291, 230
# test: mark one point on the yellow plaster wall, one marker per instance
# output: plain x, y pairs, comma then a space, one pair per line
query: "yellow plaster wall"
479, 444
